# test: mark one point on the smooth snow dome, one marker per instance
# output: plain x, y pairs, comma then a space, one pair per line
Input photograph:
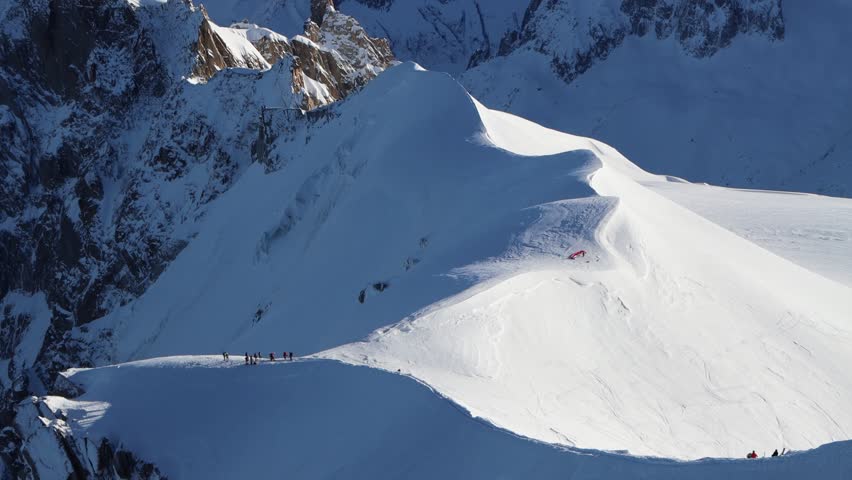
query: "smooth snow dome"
444, 228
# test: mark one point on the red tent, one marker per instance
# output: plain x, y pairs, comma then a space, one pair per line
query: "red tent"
578, 253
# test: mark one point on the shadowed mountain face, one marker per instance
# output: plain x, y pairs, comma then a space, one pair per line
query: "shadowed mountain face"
120, 122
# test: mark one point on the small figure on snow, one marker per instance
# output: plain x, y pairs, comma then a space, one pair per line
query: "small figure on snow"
775, 453
291, 356
247, 359
271, 357
753, 454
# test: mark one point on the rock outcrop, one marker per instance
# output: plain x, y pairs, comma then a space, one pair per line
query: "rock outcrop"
220, 48
49, 449
336, 53
334, 57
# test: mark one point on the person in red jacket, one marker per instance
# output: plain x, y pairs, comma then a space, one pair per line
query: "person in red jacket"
753, 454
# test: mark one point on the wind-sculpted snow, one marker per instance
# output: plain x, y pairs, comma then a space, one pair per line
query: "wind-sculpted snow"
764, 109
202, 417
445, 227
407, 186
683, 340
407, 228
811, 230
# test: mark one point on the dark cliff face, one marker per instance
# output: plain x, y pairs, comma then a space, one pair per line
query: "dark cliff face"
110, 156
575, 41
69, 71
63, 100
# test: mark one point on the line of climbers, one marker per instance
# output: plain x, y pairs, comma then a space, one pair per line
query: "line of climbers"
753, 454
256, 357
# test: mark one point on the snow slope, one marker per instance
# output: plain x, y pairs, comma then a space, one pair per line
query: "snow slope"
446, 226
587, 357
399, 199
756, 114
193, 416
809, 230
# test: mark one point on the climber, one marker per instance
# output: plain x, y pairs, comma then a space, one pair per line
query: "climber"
271, 357
753, 454
247, 360
578, 253
291, 356
775, 453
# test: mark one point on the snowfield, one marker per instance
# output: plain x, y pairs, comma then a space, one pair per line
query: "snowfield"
640, 355
809, 230
443, 228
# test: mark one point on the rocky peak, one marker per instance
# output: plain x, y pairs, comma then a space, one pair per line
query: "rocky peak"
220, 48
318, 9
334, 56
337, 53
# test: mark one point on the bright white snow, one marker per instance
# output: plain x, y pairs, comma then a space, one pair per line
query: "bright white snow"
673, 336
810, 230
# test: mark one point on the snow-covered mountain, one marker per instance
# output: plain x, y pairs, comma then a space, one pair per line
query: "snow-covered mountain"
744, 93
174, 187
443, 227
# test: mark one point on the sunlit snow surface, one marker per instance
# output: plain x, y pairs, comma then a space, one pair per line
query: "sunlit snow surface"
674, 336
